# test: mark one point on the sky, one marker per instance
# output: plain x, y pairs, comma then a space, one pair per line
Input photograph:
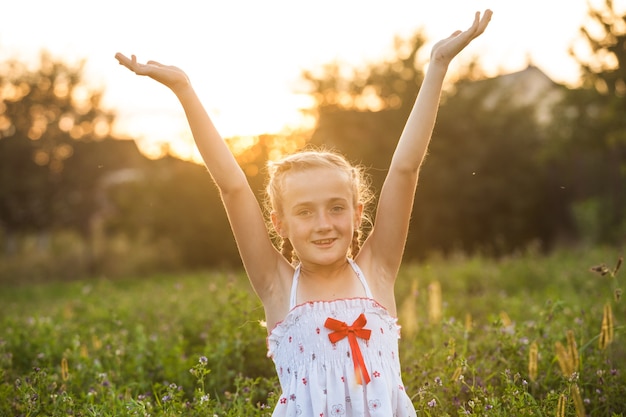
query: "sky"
245, 57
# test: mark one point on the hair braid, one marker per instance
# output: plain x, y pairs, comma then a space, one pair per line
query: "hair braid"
287, 249
355, 245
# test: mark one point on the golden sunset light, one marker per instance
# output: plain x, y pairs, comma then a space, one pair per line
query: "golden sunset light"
246, 57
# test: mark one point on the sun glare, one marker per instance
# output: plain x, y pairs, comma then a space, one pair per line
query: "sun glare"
246, 66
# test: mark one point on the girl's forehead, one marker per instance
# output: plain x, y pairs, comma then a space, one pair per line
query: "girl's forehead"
315, 181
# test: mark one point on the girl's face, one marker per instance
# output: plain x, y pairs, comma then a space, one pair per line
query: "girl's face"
318, 214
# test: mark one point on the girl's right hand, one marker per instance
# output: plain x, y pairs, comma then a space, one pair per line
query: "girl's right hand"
168, 75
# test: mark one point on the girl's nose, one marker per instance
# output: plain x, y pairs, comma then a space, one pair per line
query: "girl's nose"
323, 221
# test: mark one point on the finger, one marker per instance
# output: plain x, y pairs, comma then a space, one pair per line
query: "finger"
123, 59
484, 21
480, 24
126, 62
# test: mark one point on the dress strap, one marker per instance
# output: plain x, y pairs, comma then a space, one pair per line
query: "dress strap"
294, 288
359, 274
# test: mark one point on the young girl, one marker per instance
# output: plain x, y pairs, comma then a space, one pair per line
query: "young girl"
330, 310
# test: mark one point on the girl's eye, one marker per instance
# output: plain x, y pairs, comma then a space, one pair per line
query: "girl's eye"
304, 212
337, 208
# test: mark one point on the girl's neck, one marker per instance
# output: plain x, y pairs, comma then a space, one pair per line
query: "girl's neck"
324, 272
338, 281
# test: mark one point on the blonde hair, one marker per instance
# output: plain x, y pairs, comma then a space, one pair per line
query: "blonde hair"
317, 158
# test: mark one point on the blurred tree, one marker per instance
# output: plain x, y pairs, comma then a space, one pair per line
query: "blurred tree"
175, 202
361, 112
43, 113
590, 129
483, 186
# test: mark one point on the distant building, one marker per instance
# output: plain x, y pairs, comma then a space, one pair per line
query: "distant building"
530, 86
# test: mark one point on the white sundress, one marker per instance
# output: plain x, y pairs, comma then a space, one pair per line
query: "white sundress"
357, 375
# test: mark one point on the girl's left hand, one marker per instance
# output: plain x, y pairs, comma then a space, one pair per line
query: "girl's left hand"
446, 49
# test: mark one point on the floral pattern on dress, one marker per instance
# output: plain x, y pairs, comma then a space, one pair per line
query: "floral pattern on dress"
326, 383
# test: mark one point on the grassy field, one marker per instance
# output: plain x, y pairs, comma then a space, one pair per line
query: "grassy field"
526, 335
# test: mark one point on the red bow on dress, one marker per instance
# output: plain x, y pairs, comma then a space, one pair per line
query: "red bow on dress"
342, 330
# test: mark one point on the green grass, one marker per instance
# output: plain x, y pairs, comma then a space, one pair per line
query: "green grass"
193, 345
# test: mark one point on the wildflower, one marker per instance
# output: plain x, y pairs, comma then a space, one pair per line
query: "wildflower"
457, 374
506, 320
438, 381
606, 332
578, 402
507, 325
565, 361
572, 349
65, 373
601, 269
533, 354
451, 348
96, 342
560, 406
432, 403
434, 303
468, 323
203, 360
619, 263
408, 312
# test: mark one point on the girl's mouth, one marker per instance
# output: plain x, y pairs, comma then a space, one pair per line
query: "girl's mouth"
323, 242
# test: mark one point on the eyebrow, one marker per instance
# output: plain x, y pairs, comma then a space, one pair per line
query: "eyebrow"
329, 201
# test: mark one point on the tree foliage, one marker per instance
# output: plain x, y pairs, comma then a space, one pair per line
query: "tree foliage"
503, 171
43, 114
483, 186
590, 128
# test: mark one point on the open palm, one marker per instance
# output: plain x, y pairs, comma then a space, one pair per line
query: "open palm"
446, 49
167, 75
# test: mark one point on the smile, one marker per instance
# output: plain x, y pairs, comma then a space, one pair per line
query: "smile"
323, 241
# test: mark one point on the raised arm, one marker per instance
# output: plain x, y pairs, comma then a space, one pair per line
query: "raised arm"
387, 240
244, 213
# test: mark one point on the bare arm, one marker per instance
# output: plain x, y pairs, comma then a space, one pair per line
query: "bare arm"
387, 240
244, 213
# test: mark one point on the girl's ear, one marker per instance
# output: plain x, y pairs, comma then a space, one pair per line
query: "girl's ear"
277, 223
